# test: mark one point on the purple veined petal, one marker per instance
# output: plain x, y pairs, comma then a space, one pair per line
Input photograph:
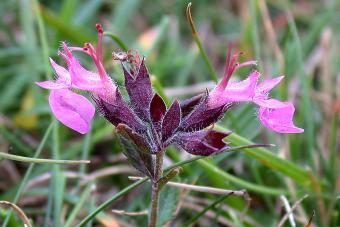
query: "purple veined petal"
62, 73
267, 85
280, 119
243, 90
51, 85
269, 103
71, 109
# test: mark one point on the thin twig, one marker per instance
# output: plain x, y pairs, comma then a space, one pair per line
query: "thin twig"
123, 212
85, 178
20, 213
205, 189
289, 210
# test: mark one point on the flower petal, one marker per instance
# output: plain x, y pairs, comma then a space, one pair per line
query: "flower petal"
51, 85
269, 103
279, 119
62, 73
243, 90
82, 78
267, 85
71, 109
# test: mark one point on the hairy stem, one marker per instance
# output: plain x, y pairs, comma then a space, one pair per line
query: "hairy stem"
156, 189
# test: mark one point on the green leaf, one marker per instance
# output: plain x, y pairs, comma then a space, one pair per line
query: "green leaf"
167, 205
136, 150
271, 160
223, 175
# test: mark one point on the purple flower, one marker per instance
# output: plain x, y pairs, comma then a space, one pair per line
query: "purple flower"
145, 125
249, 91
71, 109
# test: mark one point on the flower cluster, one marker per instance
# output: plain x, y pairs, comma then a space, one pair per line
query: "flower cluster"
144, 123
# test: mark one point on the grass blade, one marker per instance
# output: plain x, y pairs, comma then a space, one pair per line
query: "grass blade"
271, 160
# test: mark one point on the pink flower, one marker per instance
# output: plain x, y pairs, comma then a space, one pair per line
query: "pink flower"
226, 92
73, 110
279, 119
274, 114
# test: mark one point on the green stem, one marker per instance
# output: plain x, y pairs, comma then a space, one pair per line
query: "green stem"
41, 160
154, 204
156, 189
199, 44
115, 38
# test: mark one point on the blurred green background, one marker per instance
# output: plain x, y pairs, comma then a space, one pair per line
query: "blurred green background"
298, 39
